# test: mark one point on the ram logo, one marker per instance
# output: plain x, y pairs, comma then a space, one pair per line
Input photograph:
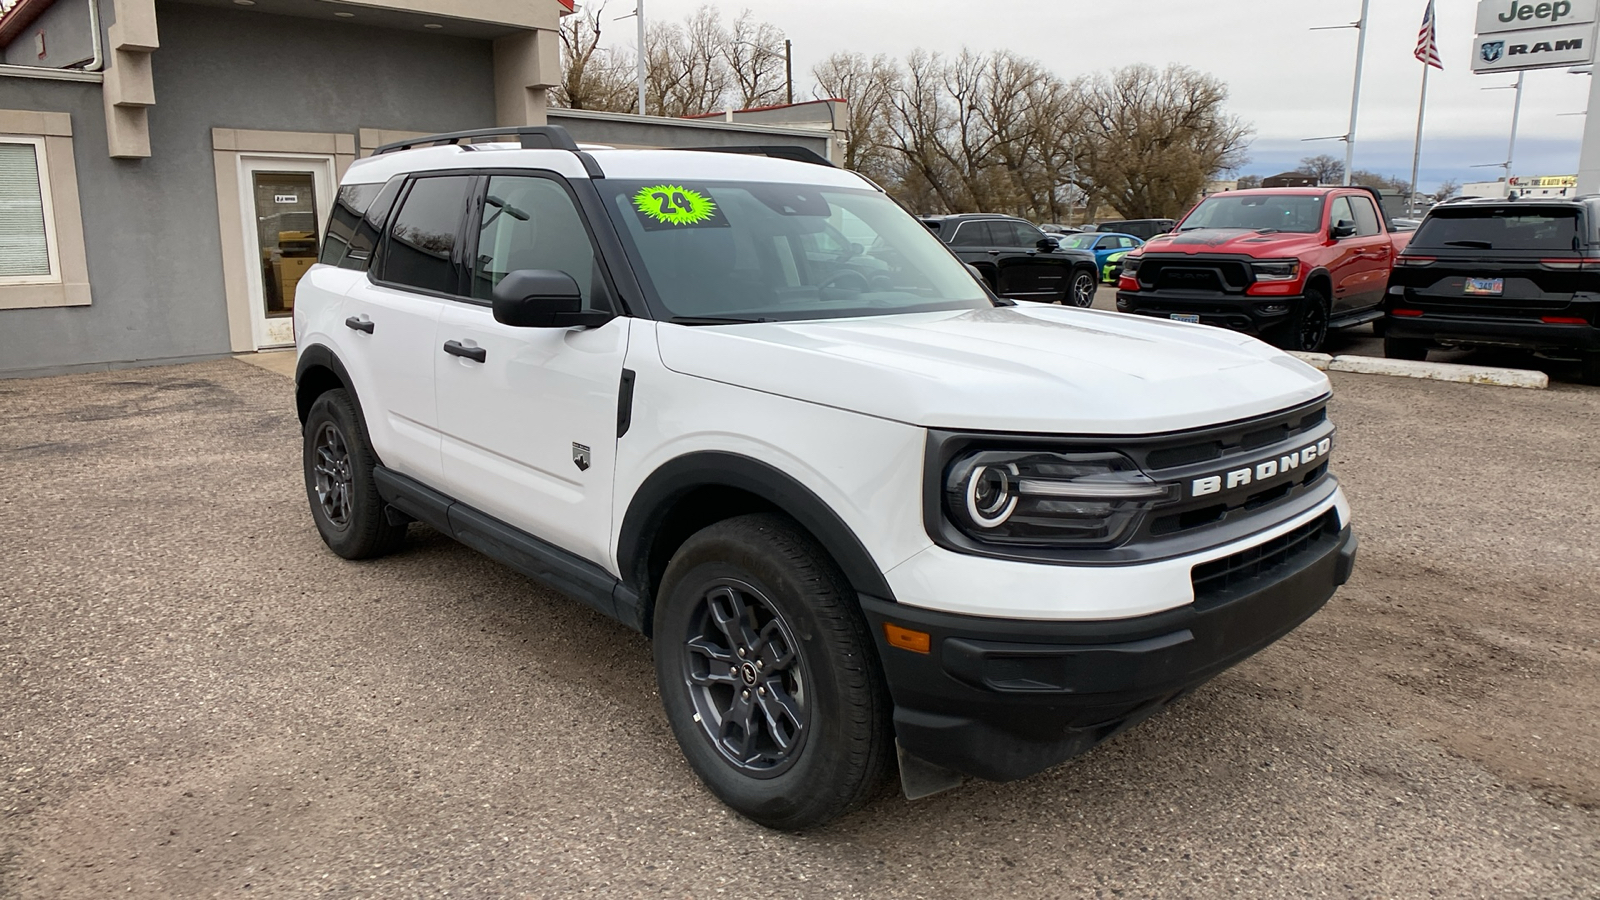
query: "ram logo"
1491, 51
1261, 471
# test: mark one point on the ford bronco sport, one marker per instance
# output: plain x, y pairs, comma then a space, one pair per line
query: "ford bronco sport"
867, 511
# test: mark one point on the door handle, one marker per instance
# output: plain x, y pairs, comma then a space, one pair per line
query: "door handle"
994, 252
456, 348
359, 324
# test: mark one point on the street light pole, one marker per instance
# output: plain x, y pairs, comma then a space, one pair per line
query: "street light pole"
1355, 92
1516, 113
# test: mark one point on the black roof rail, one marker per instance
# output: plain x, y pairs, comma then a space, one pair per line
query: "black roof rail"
776, 151
533, 137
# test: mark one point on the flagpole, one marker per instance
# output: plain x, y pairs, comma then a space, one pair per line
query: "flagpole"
1416, 152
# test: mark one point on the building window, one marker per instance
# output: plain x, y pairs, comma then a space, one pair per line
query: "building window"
27, 239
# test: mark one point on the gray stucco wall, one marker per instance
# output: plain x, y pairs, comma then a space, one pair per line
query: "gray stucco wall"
150, 225
67, 39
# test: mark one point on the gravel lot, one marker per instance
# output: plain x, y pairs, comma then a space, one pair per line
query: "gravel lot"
197, 700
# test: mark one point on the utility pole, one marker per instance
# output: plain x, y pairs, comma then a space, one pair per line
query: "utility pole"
1355, 92
640, 13
788, 69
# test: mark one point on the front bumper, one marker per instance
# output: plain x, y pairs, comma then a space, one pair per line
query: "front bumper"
1238, 312
1487, 331
1002, 699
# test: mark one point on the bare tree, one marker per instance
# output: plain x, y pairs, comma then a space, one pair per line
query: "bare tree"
1152, 139
754, 54
686, 73
1447, 189
593, 77
1327, 168
867, 86
1248, 182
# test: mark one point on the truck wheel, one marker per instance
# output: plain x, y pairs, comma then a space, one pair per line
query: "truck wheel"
1080, 292
339, 484
1591, 368
1405, 348
769, 675
1310, 325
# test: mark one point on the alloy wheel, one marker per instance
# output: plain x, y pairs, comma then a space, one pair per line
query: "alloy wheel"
1083, 288
332, 475
746, 679
1313, 326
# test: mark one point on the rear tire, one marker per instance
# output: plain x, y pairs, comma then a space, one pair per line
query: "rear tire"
1405, 348
769, 675
344, 499
1591, 368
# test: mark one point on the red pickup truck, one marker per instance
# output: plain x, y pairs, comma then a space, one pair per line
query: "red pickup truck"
1285, 264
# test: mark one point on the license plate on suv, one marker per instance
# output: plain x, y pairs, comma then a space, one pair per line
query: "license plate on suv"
1185, 317
1492, 286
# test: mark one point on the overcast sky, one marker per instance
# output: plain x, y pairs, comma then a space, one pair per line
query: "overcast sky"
1290, 82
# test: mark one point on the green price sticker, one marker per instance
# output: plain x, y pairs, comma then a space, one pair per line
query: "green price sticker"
673, 204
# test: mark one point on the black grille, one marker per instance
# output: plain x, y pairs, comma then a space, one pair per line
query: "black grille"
1207, 274
1214, 580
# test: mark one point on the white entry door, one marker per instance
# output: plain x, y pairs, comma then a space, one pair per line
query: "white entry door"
285, 201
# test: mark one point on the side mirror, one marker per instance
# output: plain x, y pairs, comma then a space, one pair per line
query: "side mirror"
1343, 228
1048, 244
543, 298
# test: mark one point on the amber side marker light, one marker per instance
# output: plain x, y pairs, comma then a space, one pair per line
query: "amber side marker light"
906, 639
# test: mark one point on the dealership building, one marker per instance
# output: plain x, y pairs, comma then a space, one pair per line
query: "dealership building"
167, 167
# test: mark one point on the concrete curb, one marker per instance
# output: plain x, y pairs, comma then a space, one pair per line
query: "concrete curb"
1367, 365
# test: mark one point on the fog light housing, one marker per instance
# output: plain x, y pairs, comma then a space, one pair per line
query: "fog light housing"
1273, 309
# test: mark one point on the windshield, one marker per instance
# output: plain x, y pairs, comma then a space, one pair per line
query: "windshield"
1301, 213
1077, 241
1499, 228
775, 252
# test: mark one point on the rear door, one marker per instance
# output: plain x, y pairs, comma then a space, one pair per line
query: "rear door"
529, 415
1026, 272
392, 314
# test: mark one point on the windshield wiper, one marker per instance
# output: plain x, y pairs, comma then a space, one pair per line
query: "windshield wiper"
1477, 245
715, 320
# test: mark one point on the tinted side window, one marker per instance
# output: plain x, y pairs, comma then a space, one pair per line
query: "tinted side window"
531, 223
1025, 235
357, 223
420, 251
1366, 217
972, 234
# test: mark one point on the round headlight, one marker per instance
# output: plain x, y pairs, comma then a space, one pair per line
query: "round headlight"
992, 494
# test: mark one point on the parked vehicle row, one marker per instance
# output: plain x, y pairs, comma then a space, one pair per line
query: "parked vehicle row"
1017, 260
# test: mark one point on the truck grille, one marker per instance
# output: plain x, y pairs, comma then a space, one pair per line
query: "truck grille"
1209, 275
1214, 581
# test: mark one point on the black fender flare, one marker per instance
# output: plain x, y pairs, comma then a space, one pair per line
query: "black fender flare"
677, 477
322, 356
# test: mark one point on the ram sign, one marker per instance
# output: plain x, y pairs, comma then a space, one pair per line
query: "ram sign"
1533, 34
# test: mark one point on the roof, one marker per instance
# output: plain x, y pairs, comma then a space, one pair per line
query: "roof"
16, 20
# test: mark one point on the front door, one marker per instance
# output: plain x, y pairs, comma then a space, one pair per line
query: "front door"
528, 416
286, 201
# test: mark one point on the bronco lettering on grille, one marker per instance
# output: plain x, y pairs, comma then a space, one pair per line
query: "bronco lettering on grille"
1261, 471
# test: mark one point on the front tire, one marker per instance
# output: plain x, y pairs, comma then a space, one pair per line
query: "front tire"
1309, 328
1405, 348
768, 674
1080, 291
344, 499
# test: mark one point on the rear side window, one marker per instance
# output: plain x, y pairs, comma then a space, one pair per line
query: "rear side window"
357, 222
1366, 217
973, 234
1500, 228
421, 249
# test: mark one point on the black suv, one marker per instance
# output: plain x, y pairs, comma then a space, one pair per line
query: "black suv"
1017, 259
1500, 273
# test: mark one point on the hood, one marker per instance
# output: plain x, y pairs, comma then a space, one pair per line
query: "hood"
1242, 241
1028, 368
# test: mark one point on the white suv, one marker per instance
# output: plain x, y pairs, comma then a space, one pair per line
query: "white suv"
750, 407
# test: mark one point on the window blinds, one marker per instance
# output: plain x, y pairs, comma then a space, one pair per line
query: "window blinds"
23, 248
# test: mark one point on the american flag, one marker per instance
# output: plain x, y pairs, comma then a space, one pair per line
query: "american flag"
1428, 41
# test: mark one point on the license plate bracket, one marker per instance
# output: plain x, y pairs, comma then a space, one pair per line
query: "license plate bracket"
1490, 287
1191, 318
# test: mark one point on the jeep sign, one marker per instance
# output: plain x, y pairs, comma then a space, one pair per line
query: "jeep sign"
1495, 16
1511, 51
